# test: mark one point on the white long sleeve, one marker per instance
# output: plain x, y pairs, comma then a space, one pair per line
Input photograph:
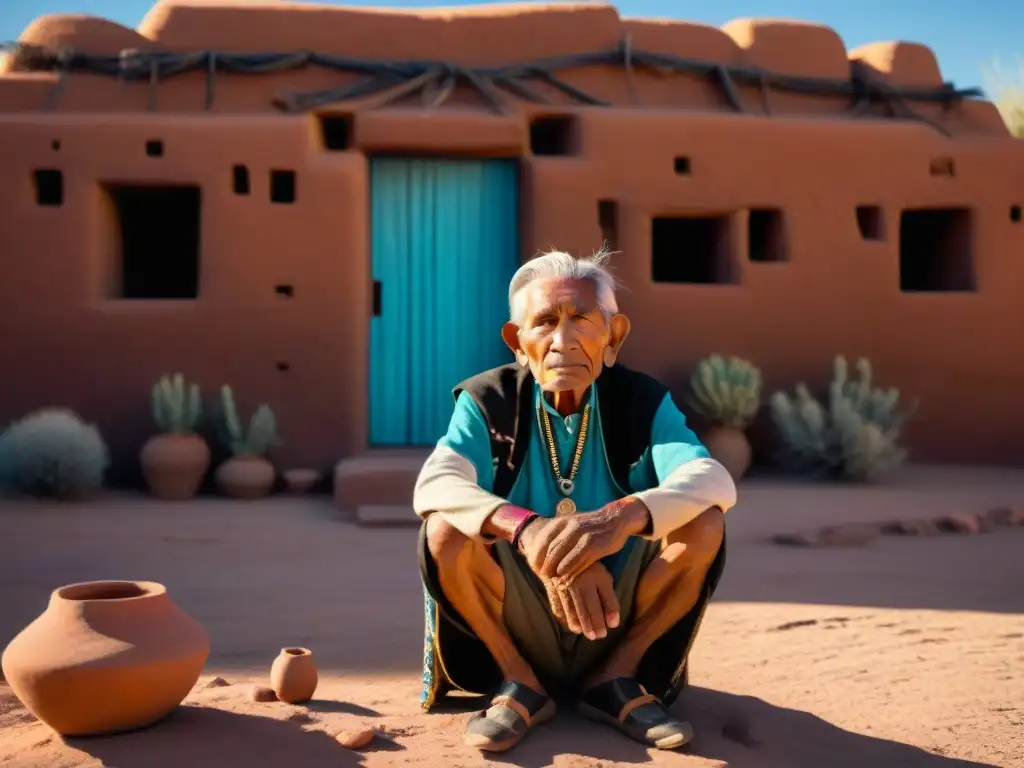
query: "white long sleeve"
447, 485
690, 489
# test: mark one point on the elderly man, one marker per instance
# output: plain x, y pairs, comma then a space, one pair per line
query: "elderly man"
573, 524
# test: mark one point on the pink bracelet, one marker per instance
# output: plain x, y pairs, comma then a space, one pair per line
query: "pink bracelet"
509, 514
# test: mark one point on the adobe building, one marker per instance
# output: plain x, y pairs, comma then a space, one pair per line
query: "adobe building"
322, 207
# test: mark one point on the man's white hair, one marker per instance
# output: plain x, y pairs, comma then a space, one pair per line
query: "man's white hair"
559, 265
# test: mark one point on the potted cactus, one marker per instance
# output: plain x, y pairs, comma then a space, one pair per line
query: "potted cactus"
728, 394
248, 474
175, 460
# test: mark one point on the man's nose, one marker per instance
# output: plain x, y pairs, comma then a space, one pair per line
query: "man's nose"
564, 337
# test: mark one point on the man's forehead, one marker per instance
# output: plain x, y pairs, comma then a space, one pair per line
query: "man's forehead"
551, 293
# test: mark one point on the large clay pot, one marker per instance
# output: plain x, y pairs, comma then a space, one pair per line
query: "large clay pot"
730, 447
105, 657
246, 477
293, 675
174, 465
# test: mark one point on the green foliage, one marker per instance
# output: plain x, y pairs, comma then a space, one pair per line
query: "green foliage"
856, 438
261, 435
177, 406
728, 392
52, 453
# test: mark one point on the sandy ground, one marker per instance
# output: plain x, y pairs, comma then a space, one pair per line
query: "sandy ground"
904, 653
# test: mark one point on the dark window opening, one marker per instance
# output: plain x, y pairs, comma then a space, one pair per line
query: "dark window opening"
870, 222
682, 166
691, 250
49, 187
160, 230
284, 290
554, 135
608, 220
336, 132
155, 148
55, 145
282, 186
766, 235
240, 180
1015, 214
942, 166
935, 250
282, 367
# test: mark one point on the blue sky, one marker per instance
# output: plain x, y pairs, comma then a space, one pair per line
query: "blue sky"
968, 35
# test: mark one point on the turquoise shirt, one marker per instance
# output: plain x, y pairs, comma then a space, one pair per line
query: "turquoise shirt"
672, 443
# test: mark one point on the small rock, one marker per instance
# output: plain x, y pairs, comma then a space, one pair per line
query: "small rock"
217, 682
262, 694
910, 528
794, 539
852, 535
1005, 517
356, 738
959, 523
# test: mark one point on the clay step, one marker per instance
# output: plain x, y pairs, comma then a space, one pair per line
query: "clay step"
387, 514
378, 477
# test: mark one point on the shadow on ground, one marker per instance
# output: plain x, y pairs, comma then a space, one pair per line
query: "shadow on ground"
199, 737
742, 731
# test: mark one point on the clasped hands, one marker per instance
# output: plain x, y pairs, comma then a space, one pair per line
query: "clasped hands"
565, 553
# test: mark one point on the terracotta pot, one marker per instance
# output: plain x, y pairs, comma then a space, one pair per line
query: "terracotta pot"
293, 675
174, 465
301, 480
246, 477
105, 657
730, 447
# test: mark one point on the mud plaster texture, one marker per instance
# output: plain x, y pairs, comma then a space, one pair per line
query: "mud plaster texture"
906, 653
833, 288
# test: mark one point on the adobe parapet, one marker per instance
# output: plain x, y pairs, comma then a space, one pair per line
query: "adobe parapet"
196, 56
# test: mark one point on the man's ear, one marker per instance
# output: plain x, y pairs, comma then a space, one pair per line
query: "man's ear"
619, 331
510, 335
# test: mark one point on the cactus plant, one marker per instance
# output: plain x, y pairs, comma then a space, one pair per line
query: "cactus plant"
855, 438
261, 435
727, 392
52, 452
177, 406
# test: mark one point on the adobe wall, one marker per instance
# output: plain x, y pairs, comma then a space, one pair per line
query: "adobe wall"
307, 354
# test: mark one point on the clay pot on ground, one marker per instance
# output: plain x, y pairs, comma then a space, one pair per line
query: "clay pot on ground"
174, 465
731, 448
301, 480
106, 657
246, 477
293, 675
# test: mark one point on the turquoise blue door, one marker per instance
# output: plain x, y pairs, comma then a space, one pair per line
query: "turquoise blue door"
444, 245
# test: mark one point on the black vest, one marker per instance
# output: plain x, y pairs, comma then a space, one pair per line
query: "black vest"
628, 399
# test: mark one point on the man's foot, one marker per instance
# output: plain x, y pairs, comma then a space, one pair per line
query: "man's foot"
624, 704
514, 710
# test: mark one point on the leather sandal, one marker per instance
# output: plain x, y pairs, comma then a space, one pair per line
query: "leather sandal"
625, 705
514, 710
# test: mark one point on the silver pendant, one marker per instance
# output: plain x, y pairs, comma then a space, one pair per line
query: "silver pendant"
565, 507
566, 486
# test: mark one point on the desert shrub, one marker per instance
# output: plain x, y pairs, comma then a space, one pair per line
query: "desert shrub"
1006, 88
727, 392
261, 435
177, 405
855, 438
52, 452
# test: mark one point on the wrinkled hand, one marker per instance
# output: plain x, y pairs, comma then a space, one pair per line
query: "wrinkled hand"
586, 538
585, 604
536, 540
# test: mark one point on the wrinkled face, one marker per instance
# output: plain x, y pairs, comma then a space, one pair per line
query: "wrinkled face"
564, 337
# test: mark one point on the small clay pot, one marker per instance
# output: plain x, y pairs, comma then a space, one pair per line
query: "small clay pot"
174, 465
245, 477
105, 657
730, 447
301, 480
293, 675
